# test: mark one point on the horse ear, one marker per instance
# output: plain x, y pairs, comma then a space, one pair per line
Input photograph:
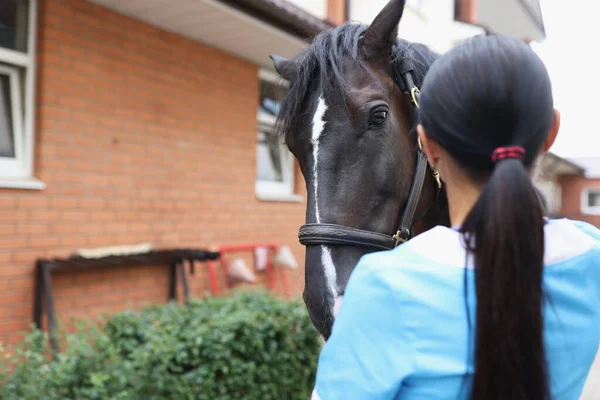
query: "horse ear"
284, 67
382, 33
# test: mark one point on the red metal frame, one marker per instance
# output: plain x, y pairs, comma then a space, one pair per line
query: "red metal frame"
271, 247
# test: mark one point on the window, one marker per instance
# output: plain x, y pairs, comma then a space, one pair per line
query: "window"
274, 162
17, 62
591, 201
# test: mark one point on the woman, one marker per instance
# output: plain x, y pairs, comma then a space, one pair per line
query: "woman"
506, 305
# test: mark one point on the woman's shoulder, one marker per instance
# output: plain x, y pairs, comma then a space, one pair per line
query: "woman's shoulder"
434, 248
429, 258
582, 226
440, 253
434, 251
568, 239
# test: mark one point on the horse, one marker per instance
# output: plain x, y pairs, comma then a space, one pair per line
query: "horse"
349, 120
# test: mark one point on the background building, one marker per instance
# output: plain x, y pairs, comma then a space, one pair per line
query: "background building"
149, 121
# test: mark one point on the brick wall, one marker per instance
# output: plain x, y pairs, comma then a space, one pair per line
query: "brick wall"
142, 136
572, 188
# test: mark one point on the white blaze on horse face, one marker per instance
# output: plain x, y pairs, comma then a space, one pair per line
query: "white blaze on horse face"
318, 125
337, 305
330, 274
317, 129
315, 395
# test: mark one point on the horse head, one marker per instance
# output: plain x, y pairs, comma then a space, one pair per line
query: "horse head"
350, 125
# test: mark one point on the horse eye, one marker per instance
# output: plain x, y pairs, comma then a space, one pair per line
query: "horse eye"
378, 118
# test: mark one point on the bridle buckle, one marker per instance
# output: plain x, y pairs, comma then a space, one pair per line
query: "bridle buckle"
401, 236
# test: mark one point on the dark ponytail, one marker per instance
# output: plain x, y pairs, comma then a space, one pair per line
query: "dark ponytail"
505, 234
487, 94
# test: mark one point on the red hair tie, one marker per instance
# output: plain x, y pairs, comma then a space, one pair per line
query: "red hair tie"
510, 152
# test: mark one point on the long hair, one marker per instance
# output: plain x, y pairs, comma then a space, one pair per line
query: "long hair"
489, 92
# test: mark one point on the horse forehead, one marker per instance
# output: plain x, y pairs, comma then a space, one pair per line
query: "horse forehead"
366, 93
370, 84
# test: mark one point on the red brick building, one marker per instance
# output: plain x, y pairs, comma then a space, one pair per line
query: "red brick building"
147, 121
581, 192
571, 187
117, 132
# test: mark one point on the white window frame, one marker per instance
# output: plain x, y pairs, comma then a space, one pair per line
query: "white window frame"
585, 205
269, 190
17, 172
10, 165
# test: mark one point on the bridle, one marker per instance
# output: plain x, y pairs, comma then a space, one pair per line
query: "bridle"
336, 234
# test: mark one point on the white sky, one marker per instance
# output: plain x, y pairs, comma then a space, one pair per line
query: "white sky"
571, 53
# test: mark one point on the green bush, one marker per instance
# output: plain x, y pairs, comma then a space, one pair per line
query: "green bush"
251, 346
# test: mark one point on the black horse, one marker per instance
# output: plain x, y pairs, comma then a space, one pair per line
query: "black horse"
349, 119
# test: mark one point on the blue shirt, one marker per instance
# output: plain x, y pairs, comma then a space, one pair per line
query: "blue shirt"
402, 333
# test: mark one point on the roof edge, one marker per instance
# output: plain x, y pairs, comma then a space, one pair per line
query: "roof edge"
578, 168
536, 15
591, 166
282, 15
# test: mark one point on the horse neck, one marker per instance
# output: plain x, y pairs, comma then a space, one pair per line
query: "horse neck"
438, 214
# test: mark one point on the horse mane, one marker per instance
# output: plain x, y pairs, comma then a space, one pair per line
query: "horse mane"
420, 55
324, 59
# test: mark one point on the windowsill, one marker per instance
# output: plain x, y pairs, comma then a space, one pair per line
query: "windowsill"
22, 183
591, 211
289, 198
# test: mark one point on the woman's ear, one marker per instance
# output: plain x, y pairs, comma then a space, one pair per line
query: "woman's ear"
430, 147
553, 131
